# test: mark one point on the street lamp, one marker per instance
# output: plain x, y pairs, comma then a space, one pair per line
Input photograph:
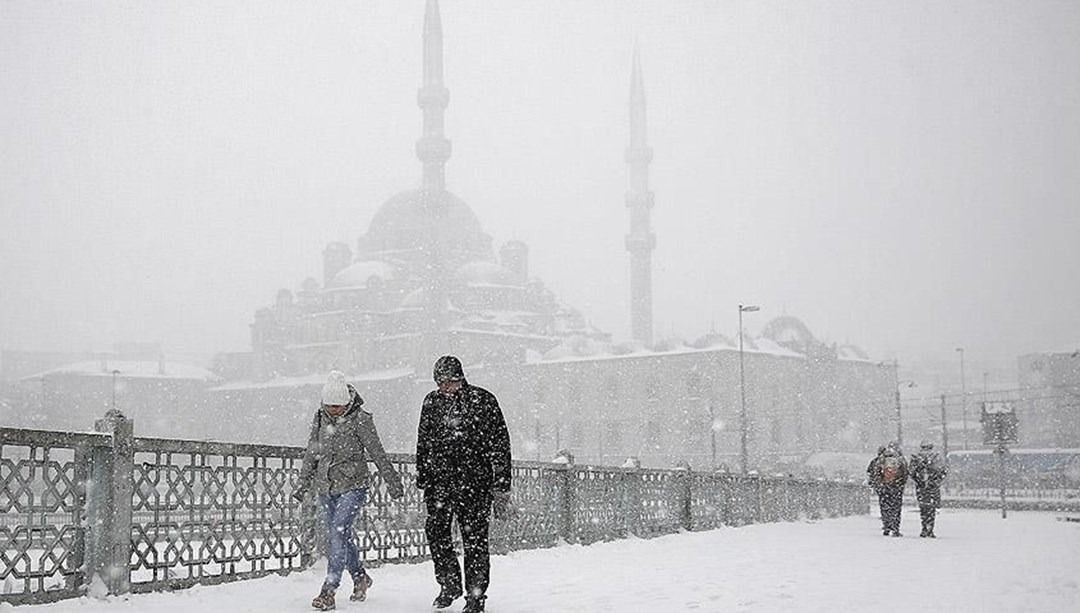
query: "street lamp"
114, 373
963, 396
744, 426
899, 421
898, 383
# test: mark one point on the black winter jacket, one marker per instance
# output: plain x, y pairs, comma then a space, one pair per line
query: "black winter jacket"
928, 471
462, 444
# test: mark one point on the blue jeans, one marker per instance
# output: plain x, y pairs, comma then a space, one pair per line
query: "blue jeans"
340, 513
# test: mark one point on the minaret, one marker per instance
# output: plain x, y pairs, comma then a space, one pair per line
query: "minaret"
640, 242
433, 148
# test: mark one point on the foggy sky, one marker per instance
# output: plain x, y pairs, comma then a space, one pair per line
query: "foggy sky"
901, 176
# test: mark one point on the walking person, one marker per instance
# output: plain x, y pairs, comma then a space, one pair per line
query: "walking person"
887, 474
928, 471
463, 467
342, 439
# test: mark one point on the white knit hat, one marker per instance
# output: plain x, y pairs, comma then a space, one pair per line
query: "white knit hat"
336, 392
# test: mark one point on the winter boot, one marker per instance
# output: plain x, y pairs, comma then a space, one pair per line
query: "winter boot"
474, 604
446, 597
360, 587
324, 601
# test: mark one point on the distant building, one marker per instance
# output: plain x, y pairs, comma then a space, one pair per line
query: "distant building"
425, 280
1049, 407
163, 397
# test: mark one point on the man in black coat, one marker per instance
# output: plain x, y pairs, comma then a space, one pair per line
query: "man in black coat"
928, 471
463, 467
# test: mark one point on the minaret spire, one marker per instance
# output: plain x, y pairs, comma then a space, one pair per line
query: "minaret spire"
640, 242
433, 148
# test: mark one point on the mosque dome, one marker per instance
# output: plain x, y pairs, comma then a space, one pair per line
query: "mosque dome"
410, 220
360, 274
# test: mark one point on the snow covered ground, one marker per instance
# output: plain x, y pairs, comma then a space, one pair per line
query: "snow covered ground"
1029, 562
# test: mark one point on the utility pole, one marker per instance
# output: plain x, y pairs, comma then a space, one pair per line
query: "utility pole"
712, 432
944, 430
899, 418
963, 397
744, 426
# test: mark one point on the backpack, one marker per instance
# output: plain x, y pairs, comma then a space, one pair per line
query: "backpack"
890, 469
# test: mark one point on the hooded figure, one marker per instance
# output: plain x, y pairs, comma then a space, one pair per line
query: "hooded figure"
463, 467
928, 471
887, 474
342, 440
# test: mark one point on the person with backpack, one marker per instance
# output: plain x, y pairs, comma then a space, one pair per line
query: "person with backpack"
342, 439
928, 471
887, 474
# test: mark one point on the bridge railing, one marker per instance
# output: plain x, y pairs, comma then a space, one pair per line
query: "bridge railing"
108, 512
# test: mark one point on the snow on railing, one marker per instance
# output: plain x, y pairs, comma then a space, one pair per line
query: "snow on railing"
197, 512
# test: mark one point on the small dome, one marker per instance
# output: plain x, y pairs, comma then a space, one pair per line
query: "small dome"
361, 273
484, 273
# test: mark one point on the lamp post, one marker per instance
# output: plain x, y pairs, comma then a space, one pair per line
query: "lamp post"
712, 433
744, 426
898, 383
114, 374
963, 396
899, 420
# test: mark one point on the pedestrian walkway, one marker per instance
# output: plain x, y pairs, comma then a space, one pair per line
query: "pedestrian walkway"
979, 563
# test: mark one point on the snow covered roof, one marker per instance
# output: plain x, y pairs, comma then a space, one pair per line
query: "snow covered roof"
593, 350
360, 273
128, 369
314, 380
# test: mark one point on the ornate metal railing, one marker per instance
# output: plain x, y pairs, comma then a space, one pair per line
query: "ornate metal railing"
44, 512
138, 514
1020, 499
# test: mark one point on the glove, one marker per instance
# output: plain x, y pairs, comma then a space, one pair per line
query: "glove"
393, 487
500, 505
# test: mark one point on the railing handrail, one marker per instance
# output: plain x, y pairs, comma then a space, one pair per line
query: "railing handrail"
53, 438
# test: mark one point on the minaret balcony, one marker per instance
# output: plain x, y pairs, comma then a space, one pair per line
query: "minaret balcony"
638, 155
433, 149
640, 243
435, 96
637, 200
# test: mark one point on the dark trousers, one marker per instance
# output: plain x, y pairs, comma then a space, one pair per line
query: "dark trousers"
471, 512
927, 513
890, 501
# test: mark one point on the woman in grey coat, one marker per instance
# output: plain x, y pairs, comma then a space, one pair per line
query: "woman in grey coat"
343, 438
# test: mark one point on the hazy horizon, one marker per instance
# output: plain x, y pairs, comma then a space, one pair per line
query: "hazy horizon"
900, 177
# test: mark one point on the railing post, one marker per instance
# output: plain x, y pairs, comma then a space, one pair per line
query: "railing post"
759, 515
567, 487
631, 500
108, 508
684, 495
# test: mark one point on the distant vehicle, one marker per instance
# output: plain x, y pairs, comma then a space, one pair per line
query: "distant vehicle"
1024, 468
